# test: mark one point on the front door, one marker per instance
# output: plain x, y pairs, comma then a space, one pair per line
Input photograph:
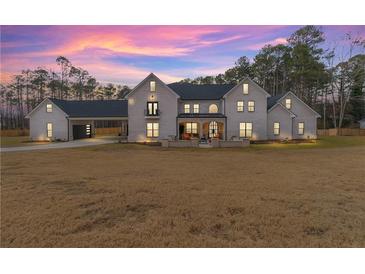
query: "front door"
213, 130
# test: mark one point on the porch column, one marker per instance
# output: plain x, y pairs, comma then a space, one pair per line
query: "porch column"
224, 130
200, 128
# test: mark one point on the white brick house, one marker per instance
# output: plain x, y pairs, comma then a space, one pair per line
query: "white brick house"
155, 111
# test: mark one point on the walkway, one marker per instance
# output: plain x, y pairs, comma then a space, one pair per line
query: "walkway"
71, 144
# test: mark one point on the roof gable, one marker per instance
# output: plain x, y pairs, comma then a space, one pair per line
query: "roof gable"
252, 82
275, 100
46, 100
151, 75
301, 101
284, 108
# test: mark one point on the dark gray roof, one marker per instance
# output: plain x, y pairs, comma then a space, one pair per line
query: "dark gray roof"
188, 91
271, 101
93, 108
201, 115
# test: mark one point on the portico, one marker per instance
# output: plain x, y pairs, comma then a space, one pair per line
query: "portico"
201, 125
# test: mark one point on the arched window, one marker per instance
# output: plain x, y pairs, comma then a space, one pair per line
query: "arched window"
213, 108
213, 129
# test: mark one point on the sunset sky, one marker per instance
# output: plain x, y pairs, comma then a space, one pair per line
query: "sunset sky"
126, 54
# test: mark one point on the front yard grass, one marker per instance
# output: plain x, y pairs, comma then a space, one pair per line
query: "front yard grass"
18, 141
322, 142
122, 195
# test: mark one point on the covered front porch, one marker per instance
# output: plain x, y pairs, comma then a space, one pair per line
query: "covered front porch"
201, 128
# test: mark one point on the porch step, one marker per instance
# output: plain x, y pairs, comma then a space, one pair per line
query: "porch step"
205, 146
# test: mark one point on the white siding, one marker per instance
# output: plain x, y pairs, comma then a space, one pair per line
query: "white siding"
280, 115
203, 105
362, 123
38, 123
258, 118
167, 104
305, 115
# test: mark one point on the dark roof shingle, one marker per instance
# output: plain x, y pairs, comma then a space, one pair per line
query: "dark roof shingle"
93, 108
188, 91
271, 101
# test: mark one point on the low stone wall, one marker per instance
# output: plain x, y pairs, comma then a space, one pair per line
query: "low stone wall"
213, 143
180, 143
240, 143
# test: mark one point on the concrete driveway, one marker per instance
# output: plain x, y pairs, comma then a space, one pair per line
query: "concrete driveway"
70, 144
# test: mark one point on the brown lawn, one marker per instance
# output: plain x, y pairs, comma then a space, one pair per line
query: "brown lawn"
138, 196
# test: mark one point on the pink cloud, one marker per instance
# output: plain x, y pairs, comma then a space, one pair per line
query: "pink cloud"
277, 41
125, 74
6, 77
94, 64
160, 41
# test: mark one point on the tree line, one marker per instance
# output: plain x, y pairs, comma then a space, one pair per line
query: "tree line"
30, 87
332, 80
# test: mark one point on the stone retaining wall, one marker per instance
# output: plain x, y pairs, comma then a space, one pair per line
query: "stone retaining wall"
213, 143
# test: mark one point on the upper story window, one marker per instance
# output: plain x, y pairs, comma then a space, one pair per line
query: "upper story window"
245, 88
213, 108
288, 103
276, 128
152, 108
186, 108
301, 128
251, 106
196, 108
239, 106
49, 107
152, 86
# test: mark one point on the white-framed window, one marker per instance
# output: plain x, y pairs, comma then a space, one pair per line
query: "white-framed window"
288, 103
213, 130
276, 128
251, 106
152, 108
49, 107
246, 130
196, 108
213, 108
49, 130
301, 128
152, 129
239, 106
186, 108
245, 88
191, 128
152, 86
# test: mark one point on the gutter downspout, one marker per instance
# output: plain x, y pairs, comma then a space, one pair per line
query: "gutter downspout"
68, 129
177, 134
225, 124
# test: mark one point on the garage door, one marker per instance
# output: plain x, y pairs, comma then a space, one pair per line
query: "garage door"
81, 131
